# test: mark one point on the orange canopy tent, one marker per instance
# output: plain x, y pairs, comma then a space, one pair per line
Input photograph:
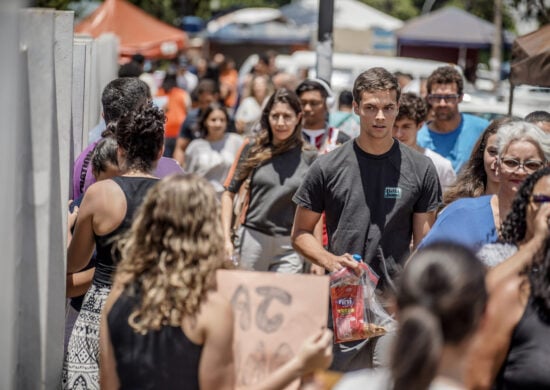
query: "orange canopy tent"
138, 31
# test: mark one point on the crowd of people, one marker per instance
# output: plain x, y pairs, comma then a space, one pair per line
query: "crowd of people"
203, 171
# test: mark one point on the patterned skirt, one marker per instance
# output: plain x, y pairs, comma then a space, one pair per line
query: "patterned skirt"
81, 363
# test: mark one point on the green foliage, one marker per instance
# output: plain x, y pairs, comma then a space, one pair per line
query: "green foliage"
57, 4
161, 9
402, 9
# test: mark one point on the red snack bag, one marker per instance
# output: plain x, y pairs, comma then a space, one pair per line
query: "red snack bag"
347, 312
353, 304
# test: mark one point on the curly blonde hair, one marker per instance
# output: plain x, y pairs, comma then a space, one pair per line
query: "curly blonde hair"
170, 254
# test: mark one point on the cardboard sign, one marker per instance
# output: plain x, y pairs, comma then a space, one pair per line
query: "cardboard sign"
274, 314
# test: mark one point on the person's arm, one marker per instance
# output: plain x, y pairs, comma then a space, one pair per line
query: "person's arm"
108, 377
71, 220
315, 354
422, 223
179, 150
216, 368
491, 342
79, 282
525, 255
305, 243
82, 243
227, 216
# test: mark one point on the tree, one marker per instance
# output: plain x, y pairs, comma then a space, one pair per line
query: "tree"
533, 9
402, 9
57, 4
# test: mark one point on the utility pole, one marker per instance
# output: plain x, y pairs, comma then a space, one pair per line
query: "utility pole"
324, 40
496, 49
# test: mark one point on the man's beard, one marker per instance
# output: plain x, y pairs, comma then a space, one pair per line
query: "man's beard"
444, 115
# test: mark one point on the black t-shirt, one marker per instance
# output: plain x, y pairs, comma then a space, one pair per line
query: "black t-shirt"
272, 186
369, 200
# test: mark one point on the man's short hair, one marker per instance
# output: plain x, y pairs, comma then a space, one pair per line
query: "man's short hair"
446, 75
412, 106
130, 69
139, 59
123, 95
374, 80
207, 86
538, 116
345, 99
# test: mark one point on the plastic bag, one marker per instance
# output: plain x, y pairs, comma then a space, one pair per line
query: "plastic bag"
356, 313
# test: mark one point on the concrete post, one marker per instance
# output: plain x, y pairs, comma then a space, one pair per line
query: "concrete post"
33, 205
325, 40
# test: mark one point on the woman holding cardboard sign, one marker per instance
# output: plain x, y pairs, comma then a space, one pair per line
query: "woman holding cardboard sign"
274, 164
164, 325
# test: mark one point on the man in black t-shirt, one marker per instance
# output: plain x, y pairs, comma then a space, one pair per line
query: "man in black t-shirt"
376, 193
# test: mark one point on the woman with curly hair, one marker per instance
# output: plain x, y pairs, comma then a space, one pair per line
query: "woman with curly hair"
519, 227
478, 175
106, 211
523, 149
512, 349
165, 326
275, 161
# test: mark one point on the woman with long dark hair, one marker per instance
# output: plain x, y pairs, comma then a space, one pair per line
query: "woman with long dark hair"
275, 161
212, 155
478, 175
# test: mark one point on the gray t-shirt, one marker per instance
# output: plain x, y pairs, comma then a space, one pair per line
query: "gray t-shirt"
369, 200
212, 160
271, 210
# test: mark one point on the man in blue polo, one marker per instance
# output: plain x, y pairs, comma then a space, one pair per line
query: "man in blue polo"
450, 133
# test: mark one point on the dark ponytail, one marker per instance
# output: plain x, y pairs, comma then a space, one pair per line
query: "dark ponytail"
419, 337
441, 296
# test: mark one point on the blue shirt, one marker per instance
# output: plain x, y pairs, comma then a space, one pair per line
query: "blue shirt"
466, 221
456, 145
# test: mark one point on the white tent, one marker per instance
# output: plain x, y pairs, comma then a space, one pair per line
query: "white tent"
358, 28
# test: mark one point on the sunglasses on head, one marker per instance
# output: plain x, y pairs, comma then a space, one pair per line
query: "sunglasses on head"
540, 198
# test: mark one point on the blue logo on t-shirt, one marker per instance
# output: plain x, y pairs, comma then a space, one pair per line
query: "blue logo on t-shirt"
392, 193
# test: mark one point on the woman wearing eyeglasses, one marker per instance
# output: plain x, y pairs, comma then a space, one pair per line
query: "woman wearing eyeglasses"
275, 161
478, 175
512, 349
522, 150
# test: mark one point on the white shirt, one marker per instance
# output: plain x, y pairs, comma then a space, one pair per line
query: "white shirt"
444, 168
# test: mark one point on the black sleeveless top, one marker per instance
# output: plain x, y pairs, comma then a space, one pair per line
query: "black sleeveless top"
164, 359
135, 189
527, 365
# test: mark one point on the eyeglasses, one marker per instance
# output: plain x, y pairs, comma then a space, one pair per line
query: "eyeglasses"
447, 98
540, 198
529, 166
